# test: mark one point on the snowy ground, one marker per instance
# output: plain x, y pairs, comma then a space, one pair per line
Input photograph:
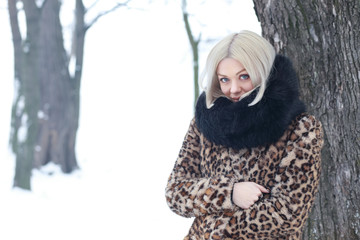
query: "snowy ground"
136, 105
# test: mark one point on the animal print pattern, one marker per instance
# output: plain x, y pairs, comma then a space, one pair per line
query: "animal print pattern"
202, 180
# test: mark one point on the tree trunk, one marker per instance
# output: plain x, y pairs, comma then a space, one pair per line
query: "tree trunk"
323, 40
46, 104
26, 102
195, 50
57, 114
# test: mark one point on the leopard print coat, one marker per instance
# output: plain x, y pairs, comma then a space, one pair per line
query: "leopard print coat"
220, 149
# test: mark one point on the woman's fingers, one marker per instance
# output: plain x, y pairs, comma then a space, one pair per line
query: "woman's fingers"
247, 193
262, 188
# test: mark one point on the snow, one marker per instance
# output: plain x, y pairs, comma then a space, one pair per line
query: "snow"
42, 115
136, 105
22, 132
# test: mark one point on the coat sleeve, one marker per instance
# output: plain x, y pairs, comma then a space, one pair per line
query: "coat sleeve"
296, 180
187, 192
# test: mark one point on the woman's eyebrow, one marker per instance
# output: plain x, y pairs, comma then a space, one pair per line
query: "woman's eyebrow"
243, 70
224, 75
219, 74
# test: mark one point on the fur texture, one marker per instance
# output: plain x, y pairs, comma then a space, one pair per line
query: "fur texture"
202, 180
236, 125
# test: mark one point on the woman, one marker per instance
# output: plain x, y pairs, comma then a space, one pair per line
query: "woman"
250, 162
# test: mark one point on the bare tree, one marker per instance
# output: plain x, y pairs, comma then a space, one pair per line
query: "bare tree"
194, 43
323, 40
45, 111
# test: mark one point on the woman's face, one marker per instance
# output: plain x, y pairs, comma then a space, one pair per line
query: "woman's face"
233, 78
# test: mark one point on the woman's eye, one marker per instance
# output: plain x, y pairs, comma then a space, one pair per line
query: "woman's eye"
224, 80
244, 77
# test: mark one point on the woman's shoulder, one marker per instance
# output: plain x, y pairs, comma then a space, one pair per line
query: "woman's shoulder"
306, 126
306, 122
193, 128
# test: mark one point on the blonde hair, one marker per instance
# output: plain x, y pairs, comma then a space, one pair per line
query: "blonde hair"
254, 52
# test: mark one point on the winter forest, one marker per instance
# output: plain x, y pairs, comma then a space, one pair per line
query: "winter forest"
96, 98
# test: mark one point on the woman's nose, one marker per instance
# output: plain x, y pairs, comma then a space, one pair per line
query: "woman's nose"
235, 87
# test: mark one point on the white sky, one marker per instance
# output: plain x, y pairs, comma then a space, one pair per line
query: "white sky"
136, 105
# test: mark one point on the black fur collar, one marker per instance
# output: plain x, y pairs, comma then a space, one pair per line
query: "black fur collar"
239, 126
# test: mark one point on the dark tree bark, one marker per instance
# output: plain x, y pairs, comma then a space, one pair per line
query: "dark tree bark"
45, 111
323, 40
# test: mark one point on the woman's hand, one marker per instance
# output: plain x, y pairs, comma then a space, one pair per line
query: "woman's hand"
245, 194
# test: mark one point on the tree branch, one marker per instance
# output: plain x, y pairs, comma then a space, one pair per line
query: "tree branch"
194, 43
43, 4
30, 6
78, 40
14, 23
16, 35
104, 13
92, 5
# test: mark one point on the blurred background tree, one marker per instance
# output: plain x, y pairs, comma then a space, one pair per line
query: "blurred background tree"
197, 31
45, 112
194, 43
323, 40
